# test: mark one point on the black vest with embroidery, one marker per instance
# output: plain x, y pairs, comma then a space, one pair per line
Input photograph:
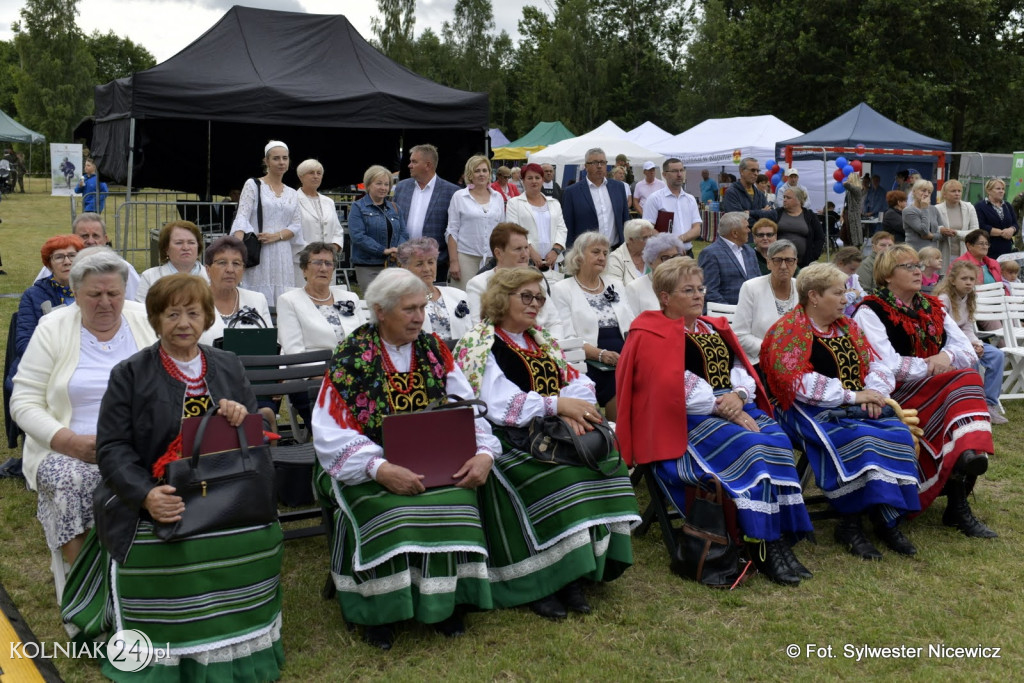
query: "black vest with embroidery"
901, 342
837, 357
528, 371
708, 357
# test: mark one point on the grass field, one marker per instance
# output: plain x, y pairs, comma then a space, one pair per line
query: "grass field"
647, 626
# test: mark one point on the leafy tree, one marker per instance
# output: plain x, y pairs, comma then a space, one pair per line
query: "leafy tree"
117, 57
8, 62
394, 29
55, 77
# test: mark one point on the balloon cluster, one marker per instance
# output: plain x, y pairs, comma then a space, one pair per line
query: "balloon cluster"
774, 172
843, 169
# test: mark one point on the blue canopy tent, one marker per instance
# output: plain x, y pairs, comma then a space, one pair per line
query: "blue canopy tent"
12, 131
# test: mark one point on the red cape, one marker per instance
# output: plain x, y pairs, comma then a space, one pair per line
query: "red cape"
651, 422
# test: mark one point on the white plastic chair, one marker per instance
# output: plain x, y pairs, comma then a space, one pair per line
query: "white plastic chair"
717, 310
575, 356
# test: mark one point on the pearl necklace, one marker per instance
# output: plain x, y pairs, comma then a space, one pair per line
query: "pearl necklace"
588, 290
329, 295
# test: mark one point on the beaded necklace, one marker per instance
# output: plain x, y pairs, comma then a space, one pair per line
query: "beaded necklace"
193, 385
532, 350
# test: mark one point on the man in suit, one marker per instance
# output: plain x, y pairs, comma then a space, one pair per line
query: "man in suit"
729, 261
596, 203
423, 200
551, 187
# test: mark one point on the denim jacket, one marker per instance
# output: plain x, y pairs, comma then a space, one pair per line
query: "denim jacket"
368, 230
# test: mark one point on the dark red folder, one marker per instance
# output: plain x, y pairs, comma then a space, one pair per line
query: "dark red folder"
435, 444
220, 436
663, 223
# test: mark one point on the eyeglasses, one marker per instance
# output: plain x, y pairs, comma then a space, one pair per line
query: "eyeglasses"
778, 261
597, 162
529, 297
981, 244
676, 170
62, 257
668, 257
320, 263
910, 267
691, 291
751, 170
221, 263
762, 235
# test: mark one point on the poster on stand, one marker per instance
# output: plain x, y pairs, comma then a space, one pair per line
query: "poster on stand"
65, 168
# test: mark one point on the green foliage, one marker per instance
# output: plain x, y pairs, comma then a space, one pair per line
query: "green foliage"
8, 63
394, 29
117, 57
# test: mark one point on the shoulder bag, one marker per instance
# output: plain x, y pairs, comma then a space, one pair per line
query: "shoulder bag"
253, 246
706, 549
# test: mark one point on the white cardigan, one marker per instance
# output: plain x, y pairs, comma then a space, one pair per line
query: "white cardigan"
246, 297
620, 265
40, 403
300, 327
756, 312
452, 297
518, 211
640, 295
953, 248
150, 276
577, 318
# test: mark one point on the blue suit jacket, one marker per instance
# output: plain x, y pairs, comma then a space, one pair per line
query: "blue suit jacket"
722, 274
436, 220
580, 214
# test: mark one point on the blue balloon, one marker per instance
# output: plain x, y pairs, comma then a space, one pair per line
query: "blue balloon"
847, 170
838, 188
841, 161
777, 178
768, 164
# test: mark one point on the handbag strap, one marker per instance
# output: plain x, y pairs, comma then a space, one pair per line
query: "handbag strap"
611, 441
243, 443
259, 205
459, 402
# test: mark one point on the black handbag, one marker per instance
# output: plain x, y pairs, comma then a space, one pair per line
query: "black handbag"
552, 440
253, 246
706, 549
233, 488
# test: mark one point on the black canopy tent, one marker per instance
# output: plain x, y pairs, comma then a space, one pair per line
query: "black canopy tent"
198, 122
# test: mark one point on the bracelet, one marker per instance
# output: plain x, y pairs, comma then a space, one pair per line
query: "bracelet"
600, 356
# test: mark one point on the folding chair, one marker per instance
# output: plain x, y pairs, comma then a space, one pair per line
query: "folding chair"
1013, 382
991, 294
717, 310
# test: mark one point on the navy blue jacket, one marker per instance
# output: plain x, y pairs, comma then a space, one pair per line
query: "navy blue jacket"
988, 219
580, 214
435, 223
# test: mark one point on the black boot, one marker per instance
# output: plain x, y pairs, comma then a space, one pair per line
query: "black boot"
549, 608
382, 636
770, 560
850, 534
572, 597
893, 538
958, 513
453, 626
971, 464
794, 564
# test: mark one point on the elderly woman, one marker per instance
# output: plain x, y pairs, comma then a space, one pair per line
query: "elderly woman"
404, 569
849, 260
764, 232
472, 215
626, 263
375, 226
225, 622
319, 217
831, 388
892, 220
234, 306
800, 226
921, 219
180, 246
933, 364
502, 182
997, 218
957, 218
978, 249
754, 313
447, 313
549, 527
541, 216
678, 363
640, 292
590, 308
58, 388
270, 209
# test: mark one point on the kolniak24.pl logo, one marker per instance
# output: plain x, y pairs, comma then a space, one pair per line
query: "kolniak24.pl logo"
127, 650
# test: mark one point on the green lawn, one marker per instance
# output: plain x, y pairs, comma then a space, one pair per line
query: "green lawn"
649, 625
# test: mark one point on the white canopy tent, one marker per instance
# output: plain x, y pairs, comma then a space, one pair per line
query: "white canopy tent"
571, 151
608, 130
648, 134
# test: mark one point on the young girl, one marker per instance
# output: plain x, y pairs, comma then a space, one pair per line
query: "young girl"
848, 259
1010, 270
931, 259
956, 291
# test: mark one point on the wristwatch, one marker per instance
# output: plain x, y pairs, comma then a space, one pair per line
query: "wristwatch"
742, 393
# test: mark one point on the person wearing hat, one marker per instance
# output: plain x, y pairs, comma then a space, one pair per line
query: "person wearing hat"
792, 180
623, 161
646, 187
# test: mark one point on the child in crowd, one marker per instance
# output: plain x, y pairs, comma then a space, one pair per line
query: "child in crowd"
848, 260
931, 259
1010, 270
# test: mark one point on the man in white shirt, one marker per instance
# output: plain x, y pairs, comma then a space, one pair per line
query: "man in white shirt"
646, 187
686, 220
92, 230
596, 202
792, 180
423, 200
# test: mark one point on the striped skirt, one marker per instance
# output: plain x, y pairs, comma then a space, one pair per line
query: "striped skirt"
954, 417
214, 600
549, 525
756, 469
404, 557
858, 464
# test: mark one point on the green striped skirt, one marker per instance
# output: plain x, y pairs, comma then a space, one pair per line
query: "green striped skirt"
404, 557
213, 599
549, 525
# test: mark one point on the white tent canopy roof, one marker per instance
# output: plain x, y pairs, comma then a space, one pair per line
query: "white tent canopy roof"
572, 151
607, 130
720, 142
647, 135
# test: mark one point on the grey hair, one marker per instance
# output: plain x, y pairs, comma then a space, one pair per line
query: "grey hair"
781, 245
744, 164
730, 222
634, 227
308, 166
574, 259
421, 245
592, 151
88, 217
798, 193
663, 241
390, 286
315, 248
96, 261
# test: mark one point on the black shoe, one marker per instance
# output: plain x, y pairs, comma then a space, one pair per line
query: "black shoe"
549, 608
895, 540
794, 564
971, 464
773, 565
958, 513
452, 627
382, 636
850, 534
573, 598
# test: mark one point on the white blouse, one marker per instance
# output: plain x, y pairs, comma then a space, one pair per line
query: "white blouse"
470, 223
89, 381
700, 396
818, 390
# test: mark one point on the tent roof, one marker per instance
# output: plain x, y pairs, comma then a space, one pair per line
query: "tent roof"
498, 138
543, 134
862, 125
647, 134
288, 68
608, 130
573, 150
12, 131
714, 142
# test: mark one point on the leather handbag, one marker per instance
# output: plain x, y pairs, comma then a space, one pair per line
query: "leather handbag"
253, 246
552, 440
706, 549
222, 490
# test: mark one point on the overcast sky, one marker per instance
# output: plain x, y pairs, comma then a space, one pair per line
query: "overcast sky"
165, 27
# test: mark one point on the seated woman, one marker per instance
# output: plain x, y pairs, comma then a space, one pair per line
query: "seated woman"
447, 312
590, 308
978, 244
817, 362
933, 364
849, 260
235, 306
224, 585
548, 526
640, 292
764, 232
180, 245
753, 313
426, 558
626, 263
956, 292
58, 389
677, 363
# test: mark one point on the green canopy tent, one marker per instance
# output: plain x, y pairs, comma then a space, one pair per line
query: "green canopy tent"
543, 134
12, 131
